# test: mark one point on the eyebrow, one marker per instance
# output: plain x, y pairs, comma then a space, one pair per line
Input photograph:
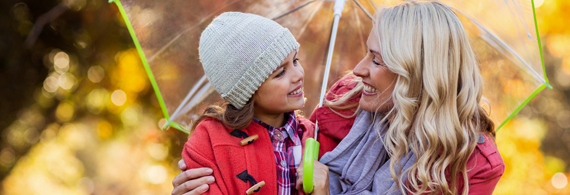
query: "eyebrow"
373, 51
281, 65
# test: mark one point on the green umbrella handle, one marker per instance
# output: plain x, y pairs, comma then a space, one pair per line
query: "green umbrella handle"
311, 154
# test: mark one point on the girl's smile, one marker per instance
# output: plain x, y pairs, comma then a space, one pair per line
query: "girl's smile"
297, 92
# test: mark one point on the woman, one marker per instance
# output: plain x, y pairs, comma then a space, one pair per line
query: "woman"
421, 128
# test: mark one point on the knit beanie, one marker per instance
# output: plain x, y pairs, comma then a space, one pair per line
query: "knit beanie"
239, 51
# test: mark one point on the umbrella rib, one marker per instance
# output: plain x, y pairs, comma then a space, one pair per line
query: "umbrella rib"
364, 10
373, 5
200, 96
309, 19
270, 15
359, 27
503, 44
522, 21
293, 10
185, 31
188, 96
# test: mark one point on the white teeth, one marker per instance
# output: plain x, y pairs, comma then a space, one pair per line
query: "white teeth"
296, 91
369, 89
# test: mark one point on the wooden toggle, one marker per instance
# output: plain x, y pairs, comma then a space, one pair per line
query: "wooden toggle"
249, 139
256, 186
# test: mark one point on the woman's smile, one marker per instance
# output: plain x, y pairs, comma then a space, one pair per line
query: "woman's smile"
369, 90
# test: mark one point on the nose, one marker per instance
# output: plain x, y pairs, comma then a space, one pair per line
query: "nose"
299, 73
361, 69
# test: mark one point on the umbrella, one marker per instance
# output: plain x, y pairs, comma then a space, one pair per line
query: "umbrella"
166, 33
503, 34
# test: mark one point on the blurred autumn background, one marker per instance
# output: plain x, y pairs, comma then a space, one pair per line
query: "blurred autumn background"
79, 116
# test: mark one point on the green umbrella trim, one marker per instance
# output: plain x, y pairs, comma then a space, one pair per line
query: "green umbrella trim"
177, 126
539, 45
146, 66
547, 84
521, 106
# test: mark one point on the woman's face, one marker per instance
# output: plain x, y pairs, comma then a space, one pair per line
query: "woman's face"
282, 91
378, 80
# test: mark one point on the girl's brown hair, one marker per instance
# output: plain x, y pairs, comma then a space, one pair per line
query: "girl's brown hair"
228, 114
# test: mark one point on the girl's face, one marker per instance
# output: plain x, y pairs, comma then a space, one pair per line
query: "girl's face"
378, 80
282, 91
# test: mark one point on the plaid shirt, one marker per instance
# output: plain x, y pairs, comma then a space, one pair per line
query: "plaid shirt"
288, 152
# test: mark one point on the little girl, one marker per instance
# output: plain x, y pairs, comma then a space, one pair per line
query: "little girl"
252, 142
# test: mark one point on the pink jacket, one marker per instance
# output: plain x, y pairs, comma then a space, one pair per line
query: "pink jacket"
485, 166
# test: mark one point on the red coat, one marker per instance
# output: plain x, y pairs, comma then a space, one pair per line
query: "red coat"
211, 145
485, 164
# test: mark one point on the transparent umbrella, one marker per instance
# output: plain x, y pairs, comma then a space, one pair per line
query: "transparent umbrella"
166, 33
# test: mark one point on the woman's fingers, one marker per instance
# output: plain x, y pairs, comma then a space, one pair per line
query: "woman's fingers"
200, 190
299, 183
190, 180
321, 178
182, 165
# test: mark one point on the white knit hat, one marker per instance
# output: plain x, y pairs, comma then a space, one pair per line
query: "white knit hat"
239, 51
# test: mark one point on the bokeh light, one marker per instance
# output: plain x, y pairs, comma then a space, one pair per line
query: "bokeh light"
155, 174
97, 100
96, 74
61, 62
51, 84
64, 112
557, 44
538, 3
130, 116
6, 157
104, 129
158, 151
559, 180
67, 81
118, 97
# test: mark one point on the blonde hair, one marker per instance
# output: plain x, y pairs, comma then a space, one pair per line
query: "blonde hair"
436, 112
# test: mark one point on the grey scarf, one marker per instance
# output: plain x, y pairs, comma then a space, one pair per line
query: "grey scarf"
360, 163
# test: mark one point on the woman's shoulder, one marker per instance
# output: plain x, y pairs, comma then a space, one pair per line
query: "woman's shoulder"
485, 163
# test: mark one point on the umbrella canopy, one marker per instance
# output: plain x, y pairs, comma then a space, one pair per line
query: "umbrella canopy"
166, 34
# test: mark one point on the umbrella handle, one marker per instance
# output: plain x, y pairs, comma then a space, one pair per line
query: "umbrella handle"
311, 154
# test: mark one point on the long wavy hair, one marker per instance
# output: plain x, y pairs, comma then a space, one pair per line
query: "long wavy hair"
436, 111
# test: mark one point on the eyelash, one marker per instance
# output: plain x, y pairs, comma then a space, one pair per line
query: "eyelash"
375, 62
280, 74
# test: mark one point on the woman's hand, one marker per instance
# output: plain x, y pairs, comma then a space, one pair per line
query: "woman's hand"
320, 179
192, 181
